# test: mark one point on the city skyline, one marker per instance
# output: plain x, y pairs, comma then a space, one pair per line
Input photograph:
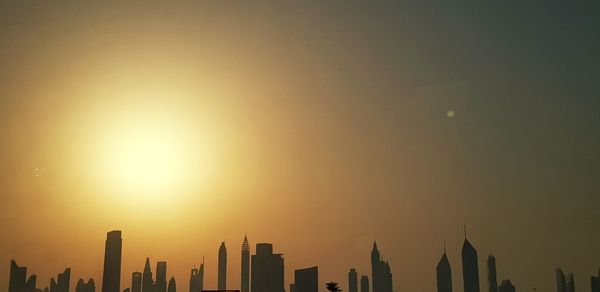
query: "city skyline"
267, 274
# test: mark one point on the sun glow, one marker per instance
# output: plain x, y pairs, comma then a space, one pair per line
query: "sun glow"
151, 156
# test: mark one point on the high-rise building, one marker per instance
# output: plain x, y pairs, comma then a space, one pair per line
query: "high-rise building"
245, 266
506, 286
570, 283
596, 283
136, 282
18, 275
470, 267
82, 286
197, 279
172, 286
381, 274
111, 277
561, 285
306, 280
267, 272
352, 281
222, 276
147, 280
364, 283
63, 283
491, 276
161, 277
444, 274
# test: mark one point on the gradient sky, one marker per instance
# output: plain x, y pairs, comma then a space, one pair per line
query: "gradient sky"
316, 126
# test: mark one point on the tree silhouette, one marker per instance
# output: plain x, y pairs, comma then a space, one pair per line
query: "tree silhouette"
333, 287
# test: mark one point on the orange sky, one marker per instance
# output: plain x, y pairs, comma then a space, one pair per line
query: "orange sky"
319, 129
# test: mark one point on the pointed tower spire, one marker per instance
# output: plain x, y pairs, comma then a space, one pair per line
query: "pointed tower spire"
465, 230
444, 246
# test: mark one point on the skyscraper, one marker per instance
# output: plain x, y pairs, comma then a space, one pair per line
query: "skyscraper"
197, 279
16, 281
267, 272
161, 277
596, 283
364, 283
172, 286
111, 277
491, 276
381, 274
352, 281
63, 283
506, 286
444, 274
245, 265
570, 283
147, 280
470, 267
222, 277
561, 285
82, 286
306, 280
136, 282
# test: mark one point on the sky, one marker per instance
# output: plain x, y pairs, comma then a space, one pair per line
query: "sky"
318, 126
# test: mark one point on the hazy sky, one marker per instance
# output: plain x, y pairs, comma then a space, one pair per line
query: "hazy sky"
316, 126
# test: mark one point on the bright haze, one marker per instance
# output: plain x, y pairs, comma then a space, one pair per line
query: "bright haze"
317, 126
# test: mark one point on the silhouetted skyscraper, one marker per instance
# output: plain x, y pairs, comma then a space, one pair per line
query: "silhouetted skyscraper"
136, 282
222, 277
470, 267
306, 280
570, 283
197, 279
245, 265
560, 281
16, 281
161, 277
596, 283
147, 280
381, 274
491, 277
506, 286
292, 287
444, 274
63, 283
82, 286
111, 277
267, 272
364, 283
172, 286
352, 281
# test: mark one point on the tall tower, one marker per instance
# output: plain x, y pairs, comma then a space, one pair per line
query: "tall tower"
16, 282
596, 283
352, 281
161, 277
172, 285
381, 272
444, 274
147, 281
267, 272
197, 279
306, 280
222, 277
491, 276
470, 267
245, 265
561, 285
111, 277
570, 283
364, 283
136, 282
